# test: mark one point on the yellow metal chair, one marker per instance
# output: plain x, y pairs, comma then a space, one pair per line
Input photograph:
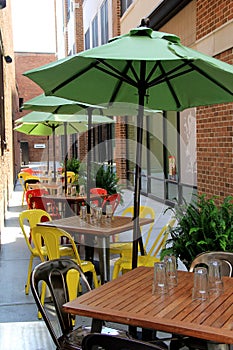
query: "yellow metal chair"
22, 176
51, 236
70, 176
124, 263
125, 248
27, 220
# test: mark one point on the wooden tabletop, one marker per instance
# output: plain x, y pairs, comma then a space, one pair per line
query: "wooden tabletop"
129, 300
105, 228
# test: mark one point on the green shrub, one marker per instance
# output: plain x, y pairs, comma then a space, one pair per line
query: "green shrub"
201, 226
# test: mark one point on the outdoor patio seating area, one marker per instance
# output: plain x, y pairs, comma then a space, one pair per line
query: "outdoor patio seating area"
17, 309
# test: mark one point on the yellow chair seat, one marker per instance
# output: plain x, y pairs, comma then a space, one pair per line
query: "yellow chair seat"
125, 248
124, 263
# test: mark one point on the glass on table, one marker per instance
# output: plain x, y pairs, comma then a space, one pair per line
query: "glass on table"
109, 211
98, 213
83, 212
73, 190
171, 270
200, 284
215, 281
160, 281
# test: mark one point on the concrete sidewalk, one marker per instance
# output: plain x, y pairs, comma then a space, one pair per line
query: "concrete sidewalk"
19, 326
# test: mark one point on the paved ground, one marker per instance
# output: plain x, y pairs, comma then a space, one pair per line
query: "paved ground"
19, 326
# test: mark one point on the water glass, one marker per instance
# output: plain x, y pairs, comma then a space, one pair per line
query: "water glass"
69, 190
200, 286
73, 190
159, 286
83, 212
98, 212
81, 190
109, 211
171, 270
215, 276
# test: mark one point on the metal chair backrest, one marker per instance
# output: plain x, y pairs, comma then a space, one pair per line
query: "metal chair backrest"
95, 341
144, 212
35, 192
46, 204
62, 277
31, 217
113, 199
225, 257
161, 239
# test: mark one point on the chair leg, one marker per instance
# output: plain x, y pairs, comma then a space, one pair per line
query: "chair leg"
27, 286
42, 298
116, 270
95, 279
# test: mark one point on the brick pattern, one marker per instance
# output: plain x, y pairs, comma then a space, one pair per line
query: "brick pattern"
215, 146
212, 14
27, 89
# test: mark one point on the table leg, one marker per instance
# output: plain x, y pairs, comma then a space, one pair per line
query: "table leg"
96, 326
104, 259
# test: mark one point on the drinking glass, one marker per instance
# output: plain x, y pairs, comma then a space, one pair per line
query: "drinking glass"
200, 286
73, 190
215, 276
171, 270
83, 212
109, 211
160, 281
98, 212
69, 190
81, 190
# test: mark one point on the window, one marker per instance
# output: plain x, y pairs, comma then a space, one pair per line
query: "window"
95, 32
104, 22
124, 5
87, 40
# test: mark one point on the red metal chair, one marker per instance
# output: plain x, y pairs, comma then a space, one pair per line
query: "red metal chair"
98, 190
113, 199
34, 193
46, 204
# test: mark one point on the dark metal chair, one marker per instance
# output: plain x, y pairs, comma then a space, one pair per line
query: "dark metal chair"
60, 324
63, 278
97, 341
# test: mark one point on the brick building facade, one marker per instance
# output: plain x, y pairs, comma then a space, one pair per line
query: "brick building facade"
27, 89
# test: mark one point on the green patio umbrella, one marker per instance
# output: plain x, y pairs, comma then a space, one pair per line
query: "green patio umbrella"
144, 67
47, 124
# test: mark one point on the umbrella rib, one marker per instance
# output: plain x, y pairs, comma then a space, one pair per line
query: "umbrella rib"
170, 74
178, 104
70, 79
118, 74
199, 70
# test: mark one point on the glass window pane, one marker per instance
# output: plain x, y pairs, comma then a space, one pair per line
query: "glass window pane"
188, 156
157, 188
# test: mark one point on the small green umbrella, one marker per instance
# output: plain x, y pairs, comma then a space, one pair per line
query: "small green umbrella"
143, 67
47, 124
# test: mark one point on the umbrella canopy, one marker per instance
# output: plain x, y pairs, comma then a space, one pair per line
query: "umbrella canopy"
143, 67
46, 124
57, 105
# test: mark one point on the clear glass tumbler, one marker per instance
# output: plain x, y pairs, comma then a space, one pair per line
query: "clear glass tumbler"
215, 276
171, 270
160, 281
200, 285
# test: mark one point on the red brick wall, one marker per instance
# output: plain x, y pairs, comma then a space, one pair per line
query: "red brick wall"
27, 89
215, 124
212, 14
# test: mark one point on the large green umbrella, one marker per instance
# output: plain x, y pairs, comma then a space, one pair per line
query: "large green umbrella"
143, 67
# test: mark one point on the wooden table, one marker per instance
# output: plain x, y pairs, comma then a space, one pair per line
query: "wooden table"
129, 300
73, 202
103, 231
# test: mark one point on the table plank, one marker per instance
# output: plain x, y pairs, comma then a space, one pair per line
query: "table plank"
129, 300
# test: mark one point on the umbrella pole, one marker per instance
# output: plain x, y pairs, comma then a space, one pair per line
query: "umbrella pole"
66, 156
47, 154
89, 111
137, 238
54, 161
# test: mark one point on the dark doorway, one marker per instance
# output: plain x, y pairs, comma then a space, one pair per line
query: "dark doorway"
25, 152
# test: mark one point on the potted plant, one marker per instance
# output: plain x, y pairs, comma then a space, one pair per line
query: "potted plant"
201, 226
